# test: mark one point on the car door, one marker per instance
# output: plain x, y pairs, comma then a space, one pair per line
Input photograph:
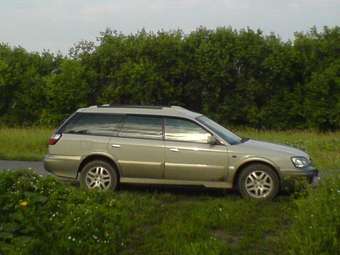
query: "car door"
139, 147
82, 135
188, 156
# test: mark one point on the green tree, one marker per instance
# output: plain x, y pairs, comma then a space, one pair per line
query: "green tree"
66, 89
323, 98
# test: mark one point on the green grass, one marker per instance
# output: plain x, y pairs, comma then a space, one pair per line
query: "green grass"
168, 220
24, 143
211, 223
138, 220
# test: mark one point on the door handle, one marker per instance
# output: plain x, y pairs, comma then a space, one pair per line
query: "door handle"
115, 145
174, 149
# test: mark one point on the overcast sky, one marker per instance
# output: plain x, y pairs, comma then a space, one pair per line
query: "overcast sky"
58, 24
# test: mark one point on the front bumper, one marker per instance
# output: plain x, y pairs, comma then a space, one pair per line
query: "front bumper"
314, 179
309, 174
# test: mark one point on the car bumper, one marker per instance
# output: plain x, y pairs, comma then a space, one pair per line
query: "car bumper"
62, 166
310, 174
315, 178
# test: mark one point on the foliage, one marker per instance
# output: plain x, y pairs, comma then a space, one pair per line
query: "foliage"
242, 78
66, 90
323, 104
41, 216
316, 225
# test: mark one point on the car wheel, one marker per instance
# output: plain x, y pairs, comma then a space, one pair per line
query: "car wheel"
258, 182
99, 175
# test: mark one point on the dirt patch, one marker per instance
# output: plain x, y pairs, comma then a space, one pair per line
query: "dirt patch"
230, 239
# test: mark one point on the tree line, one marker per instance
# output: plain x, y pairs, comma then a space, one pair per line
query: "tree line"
238, 77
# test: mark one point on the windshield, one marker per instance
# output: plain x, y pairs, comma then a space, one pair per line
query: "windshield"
222, 132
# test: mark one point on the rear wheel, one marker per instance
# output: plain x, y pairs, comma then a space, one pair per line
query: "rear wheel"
258, 182
99, 175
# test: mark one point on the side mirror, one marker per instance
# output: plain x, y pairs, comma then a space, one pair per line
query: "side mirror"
212, 140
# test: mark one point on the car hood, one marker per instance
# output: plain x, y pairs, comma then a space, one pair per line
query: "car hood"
261, 147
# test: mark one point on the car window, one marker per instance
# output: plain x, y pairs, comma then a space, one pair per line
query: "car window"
224, 133
94, 124
184, 130
142, 127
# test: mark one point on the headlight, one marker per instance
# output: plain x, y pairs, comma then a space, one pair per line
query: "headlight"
300, 162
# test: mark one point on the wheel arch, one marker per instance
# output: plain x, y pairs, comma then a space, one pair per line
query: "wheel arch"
99, 156
255, 161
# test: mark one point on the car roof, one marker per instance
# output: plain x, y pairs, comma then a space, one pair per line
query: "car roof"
173, 111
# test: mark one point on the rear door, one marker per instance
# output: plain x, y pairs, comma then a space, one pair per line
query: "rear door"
188, 156
139, 147
83, 134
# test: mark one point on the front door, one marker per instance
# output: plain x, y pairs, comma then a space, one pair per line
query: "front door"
188, 156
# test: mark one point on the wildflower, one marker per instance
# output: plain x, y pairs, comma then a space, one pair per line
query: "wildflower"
23, 203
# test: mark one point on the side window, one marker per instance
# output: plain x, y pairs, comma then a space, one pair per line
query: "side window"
142, 127
184, 130
94, 124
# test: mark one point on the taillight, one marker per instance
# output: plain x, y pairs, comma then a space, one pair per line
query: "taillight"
54, 139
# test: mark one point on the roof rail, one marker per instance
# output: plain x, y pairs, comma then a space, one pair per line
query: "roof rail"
130, 106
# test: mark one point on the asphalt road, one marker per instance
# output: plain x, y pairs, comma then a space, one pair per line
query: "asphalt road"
37, 166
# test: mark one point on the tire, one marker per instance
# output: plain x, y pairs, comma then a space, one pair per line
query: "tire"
258, 182
100, 175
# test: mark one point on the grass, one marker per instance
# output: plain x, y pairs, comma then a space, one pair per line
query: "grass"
23, 143
198, 222
37, 211
168, 220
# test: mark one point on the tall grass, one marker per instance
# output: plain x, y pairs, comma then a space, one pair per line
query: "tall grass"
316, 221
23, 143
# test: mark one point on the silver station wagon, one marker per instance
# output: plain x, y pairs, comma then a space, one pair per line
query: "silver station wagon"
102, 146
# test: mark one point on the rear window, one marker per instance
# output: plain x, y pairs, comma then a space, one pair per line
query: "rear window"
94, 124
142, 127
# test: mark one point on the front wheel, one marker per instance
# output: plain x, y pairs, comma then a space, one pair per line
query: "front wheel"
98, 175
258, 182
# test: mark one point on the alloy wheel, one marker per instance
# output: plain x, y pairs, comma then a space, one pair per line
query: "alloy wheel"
259, 184
98, 178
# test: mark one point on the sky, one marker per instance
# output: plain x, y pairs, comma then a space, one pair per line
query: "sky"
56, 25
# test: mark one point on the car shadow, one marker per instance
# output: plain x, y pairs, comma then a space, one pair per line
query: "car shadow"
190, 191
185, 190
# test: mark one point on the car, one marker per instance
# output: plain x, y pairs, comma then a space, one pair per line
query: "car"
103, 146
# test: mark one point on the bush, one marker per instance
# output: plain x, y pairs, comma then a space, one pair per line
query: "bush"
42, 216
316, 223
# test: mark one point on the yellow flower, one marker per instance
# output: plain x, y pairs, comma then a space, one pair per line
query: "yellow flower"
23, 203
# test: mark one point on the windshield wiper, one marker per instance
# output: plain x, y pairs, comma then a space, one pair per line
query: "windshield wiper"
244, 139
